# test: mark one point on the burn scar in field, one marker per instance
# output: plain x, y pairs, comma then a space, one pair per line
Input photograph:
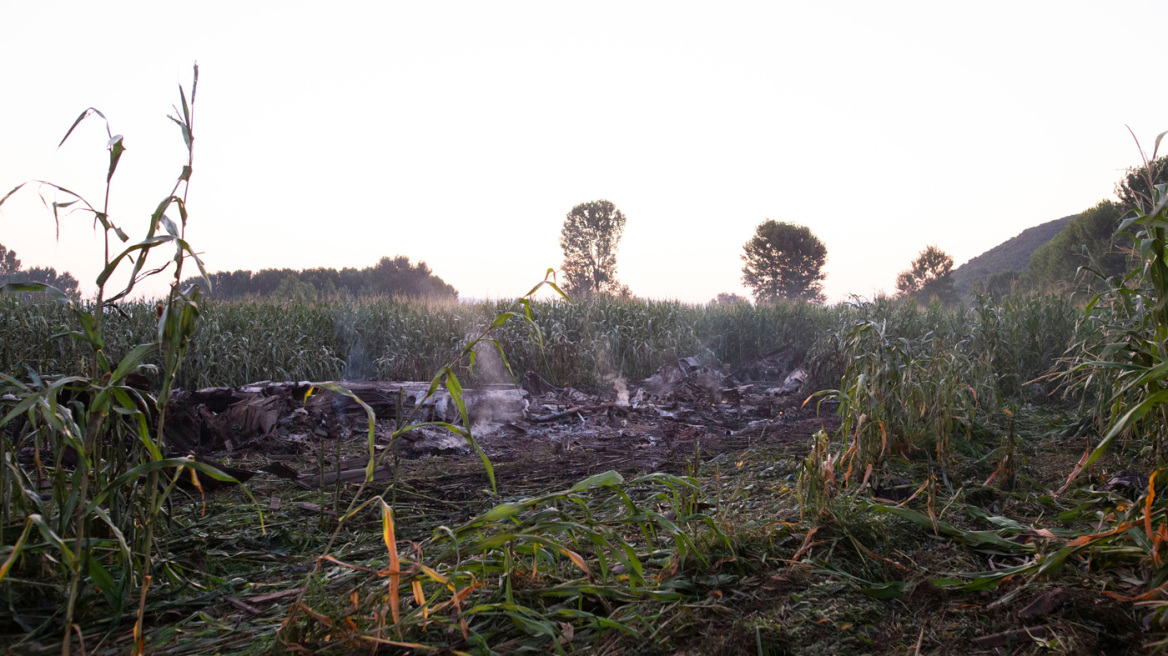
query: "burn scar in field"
532, 428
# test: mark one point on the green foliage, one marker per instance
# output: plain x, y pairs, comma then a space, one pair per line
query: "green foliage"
929, 278
589, 240
1089, 240
533, 572
900, 393
106, 504
1121, 356
585, 342
1022, 337
1137, 188
915, 380
899, 381
784, 261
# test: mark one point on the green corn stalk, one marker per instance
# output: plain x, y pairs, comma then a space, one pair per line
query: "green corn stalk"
96, 422
1122, 358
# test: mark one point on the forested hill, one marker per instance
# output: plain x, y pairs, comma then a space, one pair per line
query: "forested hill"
1011, 255
391, 277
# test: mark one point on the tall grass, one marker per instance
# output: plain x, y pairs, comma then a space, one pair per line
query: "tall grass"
1022, 338
1121, 357
916, 379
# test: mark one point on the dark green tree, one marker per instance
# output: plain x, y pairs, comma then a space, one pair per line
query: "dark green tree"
1090, 239
784, 261
589, 240
1134, 190
930, 277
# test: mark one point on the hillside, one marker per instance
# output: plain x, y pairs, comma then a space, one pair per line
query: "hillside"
1013, 254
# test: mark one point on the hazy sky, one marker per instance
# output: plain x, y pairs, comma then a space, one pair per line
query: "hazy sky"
462, 133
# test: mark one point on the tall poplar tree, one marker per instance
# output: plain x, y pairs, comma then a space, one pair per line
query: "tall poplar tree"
589, 240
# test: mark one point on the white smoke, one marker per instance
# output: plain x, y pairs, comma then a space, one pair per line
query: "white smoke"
622, 391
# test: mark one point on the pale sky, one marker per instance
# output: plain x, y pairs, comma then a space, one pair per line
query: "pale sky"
461, 133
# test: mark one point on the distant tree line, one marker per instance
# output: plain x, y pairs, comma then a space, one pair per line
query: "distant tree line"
390, 277
11, 271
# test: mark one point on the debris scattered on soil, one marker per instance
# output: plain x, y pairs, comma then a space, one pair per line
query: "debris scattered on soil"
774, 365
643, 418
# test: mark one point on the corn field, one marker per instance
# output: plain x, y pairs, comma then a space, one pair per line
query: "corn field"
585, 344
239, 342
